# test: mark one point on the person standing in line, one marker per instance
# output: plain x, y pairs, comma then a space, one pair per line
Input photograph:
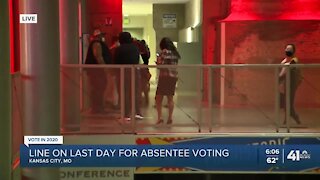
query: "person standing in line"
96, 76
128, 54
145, 54
167, 77
295, 80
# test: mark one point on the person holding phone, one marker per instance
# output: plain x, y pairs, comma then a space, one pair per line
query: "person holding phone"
167, 77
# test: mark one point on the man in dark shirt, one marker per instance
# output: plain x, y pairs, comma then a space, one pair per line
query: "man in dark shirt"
127, 53
98, 53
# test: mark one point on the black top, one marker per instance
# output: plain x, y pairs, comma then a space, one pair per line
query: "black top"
127, 53
105, 54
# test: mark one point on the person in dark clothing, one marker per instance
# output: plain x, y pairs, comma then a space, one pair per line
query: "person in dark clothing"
96, 77
145, 74
145, 54
127, 53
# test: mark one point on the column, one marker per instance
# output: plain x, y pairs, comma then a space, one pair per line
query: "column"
39, 44
5, 93
69, 54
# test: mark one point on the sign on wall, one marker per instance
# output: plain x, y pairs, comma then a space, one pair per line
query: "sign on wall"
169, 21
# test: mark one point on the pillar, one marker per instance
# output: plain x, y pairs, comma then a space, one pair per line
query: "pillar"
69, 54
5, 93
40, 75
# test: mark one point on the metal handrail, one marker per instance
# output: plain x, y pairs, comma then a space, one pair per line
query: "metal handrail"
187, 65
201, 68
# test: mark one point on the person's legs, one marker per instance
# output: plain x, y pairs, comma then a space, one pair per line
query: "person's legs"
127, 94
96, 93
170, 107
293, 112
159, 99
138, 94
146, 90
118, 84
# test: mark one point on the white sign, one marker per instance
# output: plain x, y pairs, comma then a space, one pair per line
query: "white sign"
169, 21
43, 140
28, 18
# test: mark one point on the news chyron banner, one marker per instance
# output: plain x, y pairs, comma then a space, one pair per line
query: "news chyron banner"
266, 154
84, 173
238, 154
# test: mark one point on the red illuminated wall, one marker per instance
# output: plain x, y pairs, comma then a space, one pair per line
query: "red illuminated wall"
256, 33
213, 11
274, 10
100, 11
14, 36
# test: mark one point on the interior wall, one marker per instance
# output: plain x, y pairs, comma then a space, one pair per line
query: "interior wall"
149, 35
263, 42
173, 33
146, 23
193, 15
213, 11
191, 53
100, 12
256, 33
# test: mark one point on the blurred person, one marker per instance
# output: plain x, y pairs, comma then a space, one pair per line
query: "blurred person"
167, 77
295, 80
145, 74
98, 53
145, 53
128, 54
112, 95
145, 77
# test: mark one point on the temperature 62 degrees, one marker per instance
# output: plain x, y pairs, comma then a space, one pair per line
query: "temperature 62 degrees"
272, 160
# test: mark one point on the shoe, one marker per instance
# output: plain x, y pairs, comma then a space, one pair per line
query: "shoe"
139, 116
169, 121
124, 120
128, 119
160, 121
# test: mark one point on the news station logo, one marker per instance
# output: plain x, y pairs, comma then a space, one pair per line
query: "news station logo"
28, 18
297, 155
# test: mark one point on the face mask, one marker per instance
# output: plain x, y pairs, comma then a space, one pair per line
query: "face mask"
289, 53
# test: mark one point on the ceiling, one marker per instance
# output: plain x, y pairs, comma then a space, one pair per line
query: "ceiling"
144, 7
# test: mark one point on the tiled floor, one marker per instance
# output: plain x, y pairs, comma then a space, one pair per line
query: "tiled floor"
186, 120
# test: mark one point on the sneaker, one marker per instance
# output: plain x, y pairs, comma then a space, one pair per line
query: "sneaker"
127, 119
139, 116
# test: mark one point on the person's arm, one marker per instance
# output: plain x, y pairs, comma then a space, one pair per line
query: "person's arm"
106, 54
282, 73
117, 56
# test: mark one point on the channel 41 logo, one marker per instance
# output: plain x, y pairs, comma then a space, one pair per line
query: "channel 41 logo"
297, 155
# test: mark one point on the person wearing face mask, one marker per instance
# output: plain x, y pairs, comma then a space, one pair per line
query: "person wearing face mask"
295, 80
98, 53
